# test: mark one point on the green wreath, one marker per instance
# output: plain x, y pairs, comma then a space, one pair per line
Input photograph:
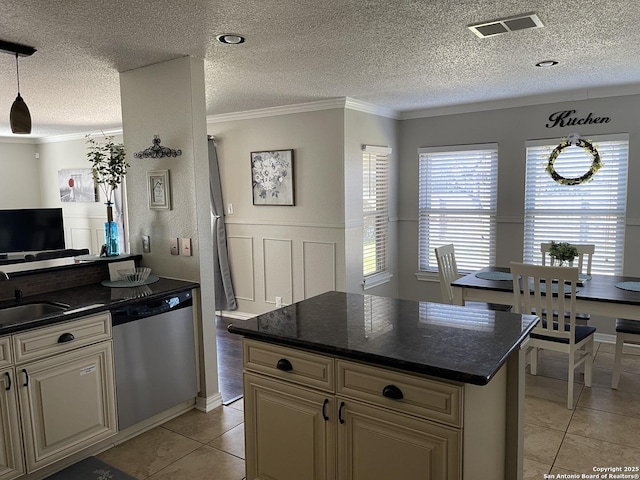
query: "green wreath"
588, 147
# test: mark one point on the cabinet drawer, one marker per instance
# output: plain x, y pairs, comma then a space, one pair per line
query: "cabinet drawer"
420, 396
308, 369
46, 341
5, 352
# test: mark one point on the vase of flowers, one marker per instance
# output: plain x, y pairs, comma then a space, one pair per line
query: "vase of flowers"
562, 253
109, 166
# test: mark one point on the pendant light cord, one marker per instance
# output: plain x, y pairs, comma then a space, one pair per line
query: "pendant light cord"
18, 72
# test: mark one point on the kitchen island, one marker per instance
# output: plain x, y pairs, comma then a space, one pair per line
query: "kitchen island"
359, 387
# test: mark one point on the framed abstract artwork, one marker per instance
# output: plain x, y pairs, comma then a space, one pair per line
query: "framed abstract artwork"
272, 177
77, 185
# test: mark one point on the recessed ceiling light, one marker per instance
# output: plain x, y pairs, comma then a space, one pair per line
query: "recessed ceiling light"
230, 38
547, 63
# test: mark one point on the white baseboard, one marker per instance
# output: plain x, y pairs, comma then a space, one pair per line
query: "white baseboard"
236, 315
604, 338
209, 403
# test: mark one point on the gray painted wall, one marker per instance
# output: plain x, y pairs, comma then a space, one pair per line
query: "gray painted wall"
510, 128
20, 181
300, 251
292, 252
366, 129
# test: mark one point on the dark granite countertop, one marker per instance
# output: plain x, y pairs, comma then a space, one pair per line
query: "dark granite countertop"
90, 299
450, 342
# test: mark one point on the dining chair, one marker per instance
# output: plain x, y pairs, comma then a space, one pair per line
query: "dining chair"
627, 331
585, 259
530, 285
448, 272
585, 256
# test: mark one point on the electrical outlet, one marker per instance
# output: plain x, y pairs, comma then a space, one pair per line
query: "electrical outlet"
186, 247
173, 245
146, 244
278, 302
229, 208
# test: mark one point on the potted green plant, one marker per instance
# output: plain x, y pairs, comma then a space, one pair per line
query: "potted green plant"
562, 253
109, 166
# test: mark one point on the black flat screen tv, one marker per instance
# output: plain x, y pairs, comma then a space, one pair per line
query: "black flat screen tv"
31, 230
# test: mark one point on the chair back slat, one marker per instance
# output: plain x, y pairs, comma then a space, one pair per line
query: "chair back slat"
539, 289
584, 257
447, 270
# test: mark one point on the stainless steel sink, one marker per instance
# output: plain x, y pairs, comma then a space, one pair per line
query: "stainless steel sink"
28, 312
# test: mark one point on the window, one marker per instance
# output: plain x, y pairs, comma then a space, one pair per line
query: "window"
457, 204
375, 211
592, 212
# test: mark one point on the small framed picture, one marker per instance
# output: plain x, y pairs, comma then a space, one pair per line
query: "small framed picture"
272, 177
159, 190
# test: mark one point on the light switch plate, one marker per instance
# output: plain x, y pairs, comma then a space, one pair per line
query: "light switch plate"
146, 244
173, 244
186, 247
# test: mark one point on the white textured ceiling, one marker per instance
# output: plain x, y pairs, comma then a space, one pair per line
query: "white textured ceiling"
403, 55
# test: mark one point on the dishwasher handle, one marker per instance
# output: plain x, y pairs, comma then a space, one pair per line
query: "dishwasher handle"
150, 307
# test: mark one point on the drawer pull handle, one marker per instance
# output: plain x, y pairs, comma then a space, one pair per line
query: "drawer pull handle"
8, 387
340, 412
392, 392
26, 377
66, 337
324, 408
284, 365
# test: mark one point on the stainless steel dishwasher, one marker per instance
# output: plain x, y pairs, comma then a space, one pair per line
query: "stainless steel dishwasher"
154, 356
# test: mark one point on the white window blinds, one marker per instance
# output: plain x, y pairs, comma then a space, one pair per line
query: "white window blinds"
457, 204
375, 208
592, 212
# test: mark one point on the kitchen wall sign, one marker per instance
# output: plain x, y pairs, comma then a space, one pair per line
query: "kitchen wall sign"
567, 118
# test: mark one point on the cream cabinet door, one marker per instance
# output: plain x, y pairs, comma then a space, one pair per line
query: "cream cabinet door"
289, 431
67, 402
376, 444
11, 460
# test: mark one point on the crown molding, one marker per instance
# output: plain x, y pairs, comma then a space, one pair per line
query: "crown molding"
343, 102
353, 104
275, 111
78, 136
533, 100
27, 140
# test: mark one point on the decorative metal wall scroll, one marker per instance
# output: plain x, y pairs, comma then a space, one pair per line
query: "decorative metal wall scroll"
157, 151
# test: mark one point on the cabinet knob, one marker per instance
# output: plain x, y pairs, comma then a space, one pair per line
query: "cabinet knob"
8, 387
284, 365
26, 377
392, 392
66, 337
340, 419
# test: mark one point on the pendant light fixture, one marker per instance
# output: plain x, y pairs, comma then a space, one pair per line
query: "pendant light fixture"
20, 118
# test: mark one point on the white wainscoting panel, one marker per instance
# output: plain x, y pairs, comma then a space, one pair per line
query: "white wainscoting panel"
242, 266
84, 232
80, 238
319, 267
277, 256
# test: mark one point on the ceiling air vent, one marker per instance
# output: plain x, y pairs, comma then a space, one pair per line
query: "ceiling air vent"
505, 25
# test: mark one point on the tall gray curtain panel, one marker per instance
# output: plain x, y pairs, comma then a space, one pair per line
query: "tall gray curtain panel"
225, 298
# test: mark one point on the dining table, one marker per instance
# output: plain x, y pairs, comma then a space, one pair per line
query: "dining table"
597, 294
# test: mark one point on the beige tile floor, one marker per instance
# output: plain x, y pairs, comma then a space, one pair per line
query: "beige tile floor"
194, 446
602, 430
